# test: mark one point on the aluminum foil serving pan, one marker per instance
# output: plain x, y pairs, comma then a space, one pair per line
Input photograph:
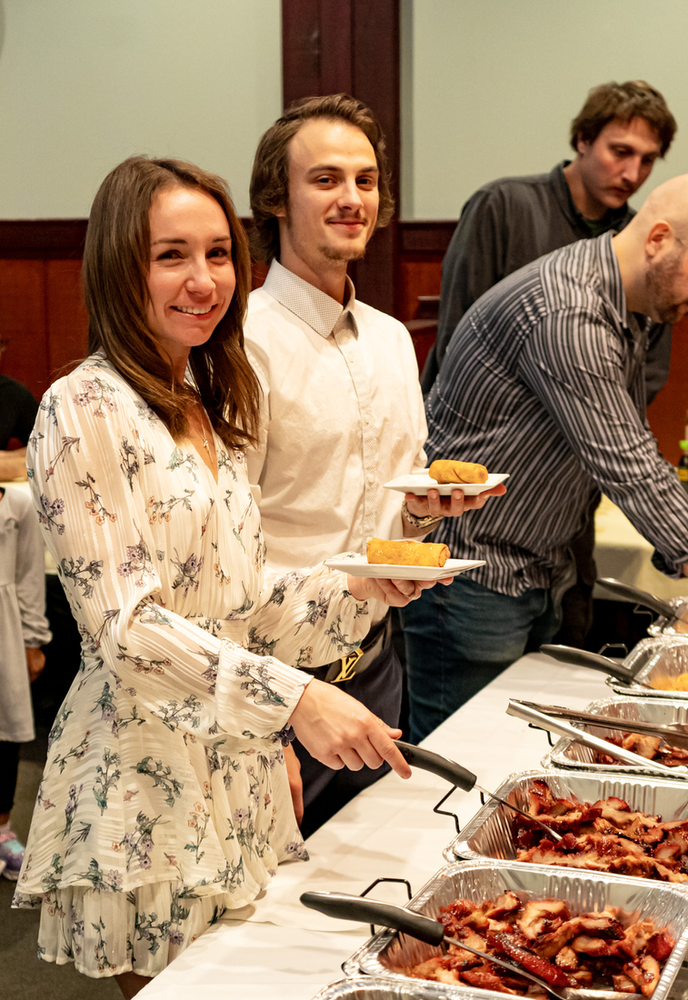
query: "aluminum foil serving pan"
653, 661
389, 954
674, 624
491, 833
650, 663
662, 712
366, 988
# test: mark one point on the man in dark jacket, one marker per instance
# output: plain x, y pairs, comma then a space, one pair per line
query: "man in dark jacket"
619, 133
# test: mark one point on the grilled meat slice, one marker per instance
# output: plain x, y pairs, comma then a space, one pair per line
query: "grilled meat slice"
541, 916
505, 944
645, 974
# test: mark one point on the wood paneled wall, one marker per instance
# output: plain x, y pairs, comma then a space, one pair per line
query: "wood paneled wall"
667, 414
44, 324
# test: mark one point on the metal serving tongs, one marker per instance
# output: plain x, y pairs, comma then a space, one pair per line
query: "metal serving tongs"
532, 714
583, 658
674, 733
460, 777
417, 925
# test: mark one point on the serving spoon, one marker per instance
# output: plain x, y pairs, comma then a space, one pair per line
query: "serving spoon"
462, 778
605, 664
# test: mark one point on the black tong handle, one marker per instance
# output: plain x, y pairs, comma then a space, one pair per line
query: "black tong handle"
454, 773
348, 907
583, 658
640, 596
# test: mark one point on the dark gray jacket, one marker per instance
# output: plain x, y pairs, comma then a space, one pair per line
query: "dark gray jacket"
509, 223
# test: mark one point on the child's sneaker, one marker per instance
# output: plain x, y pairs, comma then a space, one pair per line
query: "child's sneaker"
11, 855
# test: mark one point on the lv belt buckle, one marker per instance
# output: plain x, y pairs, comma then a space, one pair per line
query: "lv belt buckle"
348, 667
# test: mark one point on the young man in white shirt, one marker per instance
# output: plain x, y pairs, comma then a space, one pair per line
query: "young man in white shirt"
342, 408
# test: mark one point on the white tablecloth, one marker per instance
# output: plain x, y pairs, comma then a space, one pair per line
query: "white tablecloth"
623, 553
276, 948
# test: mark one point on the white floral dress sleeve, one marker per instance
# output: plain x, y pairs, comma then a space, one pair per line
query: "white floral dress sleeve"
165, 760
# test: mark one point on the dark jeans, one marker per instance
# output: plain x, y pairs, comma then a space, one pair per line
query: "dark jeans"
459, 638
325, 791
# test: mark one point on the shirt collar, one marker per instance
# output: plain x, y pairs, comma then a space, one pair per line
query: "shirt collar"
319, 310
611, 278
615, 218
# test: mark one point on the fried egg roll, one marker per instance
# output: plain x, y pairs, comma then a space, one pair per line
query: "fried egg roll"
406, 553
450, 471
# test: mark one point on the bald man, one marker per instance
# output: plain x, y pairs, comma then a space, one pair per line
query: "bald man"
544, 379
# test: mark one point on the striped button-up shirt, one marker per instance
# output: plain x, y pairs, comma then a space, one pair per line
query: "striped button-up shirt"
544, 379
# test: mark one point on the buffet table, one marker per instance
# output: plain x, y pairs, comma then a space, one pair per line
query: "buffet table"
276, 948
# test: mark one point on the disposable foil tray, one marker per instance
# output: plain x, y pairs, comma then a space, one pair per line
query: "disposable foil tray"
491, 832
661, 656
389, 954
568, 753
367, 988
671, 626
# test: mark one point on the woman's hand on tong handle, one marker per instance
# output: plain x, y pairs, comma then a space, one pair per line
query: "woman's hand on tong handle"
339, 731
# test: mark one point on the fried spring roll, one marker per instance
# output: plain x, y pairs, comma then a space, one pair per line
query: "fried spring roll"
450, 471
406, 553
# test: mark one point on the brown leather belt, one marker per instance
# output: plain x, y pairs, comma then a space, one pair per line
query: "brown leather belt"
348, 666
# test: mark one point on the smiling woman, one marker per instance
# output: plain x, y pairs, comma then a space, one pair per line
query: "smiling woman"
128, 282
166, 799
191, 280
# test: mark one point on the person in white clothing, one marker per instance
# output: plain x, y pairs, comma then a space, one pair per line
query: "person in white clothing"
342, 411
165, 797
23, 630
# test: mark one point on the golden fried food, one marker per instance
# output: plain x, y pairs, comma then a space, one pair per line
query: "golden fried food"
679, 683
400, 553
450, 471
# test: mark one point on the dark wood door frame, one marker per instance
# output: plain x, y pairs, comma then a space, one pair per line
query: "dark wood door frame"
330, 46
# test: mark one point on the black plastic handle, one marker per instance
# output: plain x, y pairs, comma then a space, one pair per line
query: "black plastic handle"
373, 911
436, 764
582, 658
640, 596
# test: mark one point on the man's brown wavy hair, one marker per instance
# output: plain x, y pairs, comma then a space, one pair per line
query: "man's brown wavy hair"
625, 101
270, 177
115, 279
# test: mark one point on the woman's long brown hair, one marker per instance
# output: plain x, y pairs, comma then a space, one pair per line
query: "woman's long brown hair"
115, 278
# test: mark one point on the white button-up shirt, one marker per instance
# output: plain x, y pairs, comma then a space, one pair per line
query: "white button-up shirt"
342, 413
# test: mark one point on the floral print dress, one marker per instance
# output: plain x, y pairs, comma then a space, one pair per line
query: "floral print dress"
164, 799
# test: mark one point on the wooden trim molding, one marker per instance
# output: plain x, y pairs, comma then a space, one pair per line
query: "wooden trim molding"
39, 238
425, 236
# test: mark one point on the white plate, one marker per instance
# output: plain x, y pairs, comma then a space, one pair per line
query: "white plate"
420, 482
359, 566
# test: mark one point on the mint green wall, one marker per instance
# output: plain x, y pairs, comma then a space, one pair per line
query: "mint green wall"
489, 87
85, 83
